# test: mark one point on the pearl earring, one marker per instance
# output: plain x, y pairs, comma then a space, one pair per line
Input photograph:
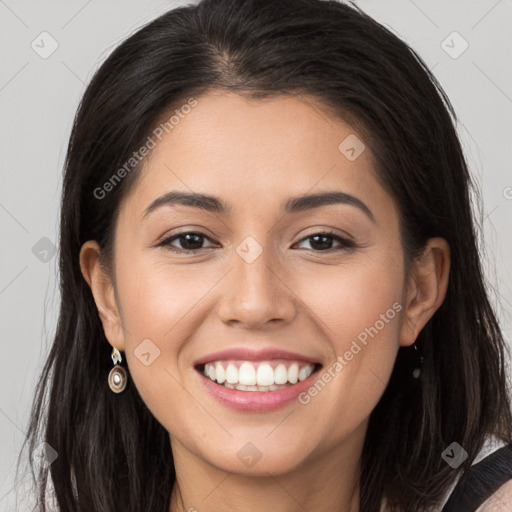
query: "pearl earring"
117, 378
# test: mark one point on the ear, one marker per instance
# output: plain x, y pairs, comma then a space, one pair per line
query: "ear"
103, 292
426, 288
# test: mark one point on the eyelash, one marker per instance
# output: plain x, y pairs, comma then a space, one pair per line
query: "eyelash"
345, 243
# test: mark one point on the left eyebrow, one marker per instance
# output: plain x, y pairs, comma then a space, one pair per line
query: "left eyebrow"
301, 203
293, 205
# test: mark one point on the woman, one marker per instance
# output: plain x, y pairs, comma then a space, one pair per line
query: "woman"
271, 290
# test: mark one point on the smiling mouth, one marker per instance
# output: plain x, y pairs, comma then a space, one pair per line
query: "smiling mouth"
257, 376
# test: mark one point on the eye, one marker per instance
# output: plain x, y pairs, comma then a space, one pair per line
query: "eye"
322, 242
191, 242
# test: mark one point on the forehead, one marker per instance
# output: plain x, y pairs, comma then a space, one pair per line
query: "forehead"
255, 153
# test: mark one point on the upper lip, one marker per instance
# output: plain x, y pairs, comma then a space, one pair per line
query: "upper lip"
246, 354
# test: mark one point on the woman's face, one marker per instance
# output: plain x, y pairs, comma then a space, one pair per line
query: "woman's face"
264, 285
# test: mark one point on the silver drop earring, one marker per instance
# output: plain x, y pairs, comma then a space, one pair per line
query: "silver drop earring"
416, 373
117, 378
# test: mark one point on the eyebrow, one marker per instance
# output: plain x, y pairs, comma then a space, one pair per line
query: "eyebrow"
293, 205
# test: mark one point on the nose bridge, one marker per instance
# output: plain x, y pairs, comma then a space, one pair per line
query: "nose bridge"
253, 265
256, 292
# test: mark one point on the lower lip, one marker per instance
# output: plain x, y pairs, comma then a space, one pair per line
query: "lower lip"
256, 401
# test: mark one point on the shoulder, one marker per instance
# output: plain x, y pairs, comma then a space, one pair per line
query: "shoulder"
491, 471
500, 501
491, 468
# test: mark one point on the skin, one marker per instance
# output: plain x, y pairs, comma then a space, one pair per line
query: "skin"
255, 155
500, 501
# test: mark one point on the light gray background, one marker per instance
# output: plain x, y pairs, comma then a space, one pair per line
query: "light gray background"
38, 99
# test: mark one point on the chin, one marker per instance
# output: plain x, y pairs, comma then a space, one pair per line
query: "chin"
258, 458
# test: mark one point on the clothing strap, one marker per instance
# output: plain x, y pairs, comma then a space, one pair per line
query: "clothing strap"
481, 481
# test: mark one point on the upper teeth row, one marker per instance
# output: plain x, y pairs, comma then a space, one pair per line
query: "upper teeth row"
263, 375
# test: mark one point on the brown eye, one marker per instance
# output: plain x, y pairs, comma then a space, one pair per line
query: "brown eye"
322, 242
190, 241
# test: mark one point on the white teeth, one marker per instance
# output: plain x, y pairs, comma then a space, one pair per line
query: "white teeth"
241, 387
219, 373
231, 374
265, 375
293, 373
305, 372
281, 374
259, 377
247, 374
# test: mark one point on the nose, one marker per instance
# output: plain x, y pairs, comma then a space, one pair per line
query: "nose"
256, 294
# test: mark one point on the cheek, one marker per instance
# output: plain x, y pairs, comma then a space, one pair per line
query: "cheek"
156, 297
351, 298
161, 309
360, 309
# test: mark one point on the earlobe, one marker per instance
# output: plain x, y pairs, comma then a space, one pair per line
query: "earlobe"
103, 293
428, 282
